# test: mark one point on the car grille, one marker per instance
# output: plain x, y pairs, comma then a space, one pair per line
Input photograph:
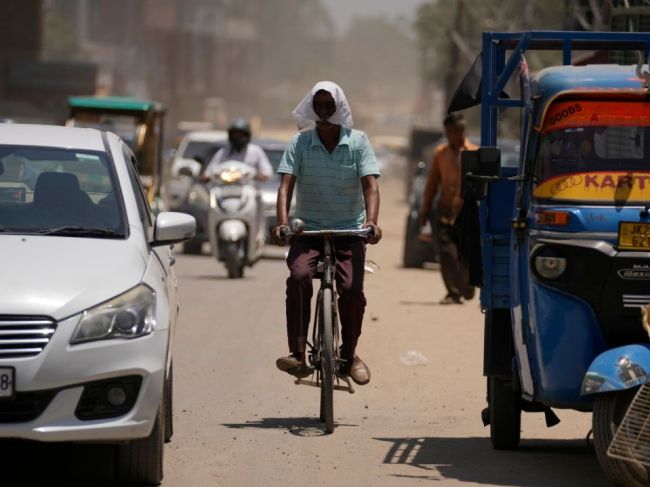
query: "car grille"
24, 336
25, 406
635, 300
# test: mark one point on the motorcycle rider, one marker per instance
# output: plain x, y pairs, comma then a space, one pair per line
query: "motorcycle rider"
240, 148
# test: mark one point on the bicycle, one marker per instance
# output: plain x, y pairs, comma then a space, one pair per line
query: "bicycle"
324, 354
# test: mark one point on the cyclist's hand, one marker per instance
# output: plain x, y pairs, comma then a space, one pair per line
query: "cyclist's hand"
375, 236
279, 234
423, 217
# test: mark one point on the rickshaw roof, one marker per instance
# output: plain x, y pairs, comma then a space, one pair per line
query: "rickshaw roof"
550, 82
118, 103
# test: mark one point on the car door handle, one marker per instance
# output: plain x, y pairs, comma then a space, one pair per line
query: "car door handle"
172, 260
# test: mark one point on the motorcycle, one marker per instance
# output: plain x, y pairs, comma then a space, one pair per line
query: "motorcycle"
235, 221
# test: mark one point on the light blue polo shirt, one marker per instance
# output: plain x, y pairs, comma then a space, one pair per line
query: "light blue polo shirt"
328, 186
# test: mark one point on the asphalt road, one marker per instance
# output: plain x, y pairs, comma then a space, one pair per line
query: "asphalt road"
241, 422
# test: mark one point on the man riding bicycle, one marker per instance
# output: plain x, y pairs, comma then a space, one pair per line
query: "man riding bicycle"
336, 173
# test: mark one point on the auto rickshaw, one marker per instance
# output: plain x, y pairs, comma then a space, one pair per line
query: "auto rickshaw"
565, 243
138, 122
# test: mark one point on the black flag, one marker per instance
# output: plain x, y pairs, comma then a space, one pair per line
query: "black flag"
468, 93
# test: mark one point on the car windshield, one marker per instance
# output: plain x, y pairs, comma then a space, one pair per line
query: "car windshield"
595, 151
203, 149
59, 191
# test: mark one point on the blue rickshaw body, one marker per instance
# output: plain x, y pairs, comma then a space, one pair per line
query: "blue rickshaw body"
558, 336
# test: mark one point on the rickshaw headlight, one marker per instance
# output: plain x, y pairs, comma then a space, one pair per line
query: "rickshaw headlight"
550, 267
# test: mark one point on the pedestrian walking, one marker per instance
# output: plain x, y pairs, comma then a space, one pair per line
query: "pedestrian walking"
445, 178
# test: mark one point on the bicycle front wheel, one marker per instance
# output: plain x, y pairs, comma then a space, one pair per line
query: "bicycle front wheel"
328, 363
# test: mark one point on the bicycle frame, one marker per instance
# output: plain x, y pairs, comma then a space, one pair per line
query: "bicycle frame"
327, 282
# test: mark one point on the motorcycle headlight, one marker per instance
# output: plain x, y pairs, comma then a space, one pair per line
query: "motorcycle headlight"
129, 315
231, 175
550, 267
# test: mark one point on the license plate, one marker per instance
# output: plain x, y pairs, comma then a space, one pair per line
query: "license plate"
7, 380
634, 236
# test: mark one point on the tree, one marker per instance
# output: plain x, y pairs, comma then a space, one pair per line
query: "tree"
449, 31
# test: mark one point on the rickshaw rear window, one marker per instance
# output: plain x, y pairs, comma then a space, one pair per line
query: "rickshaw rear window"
595, 151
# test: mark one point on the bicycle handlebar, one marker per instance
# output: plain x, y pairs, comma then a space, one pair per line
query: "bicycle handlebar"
363, 232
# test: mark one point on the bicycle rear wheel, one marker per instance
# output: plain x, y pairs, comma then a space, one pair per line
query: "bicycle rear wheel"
327, 363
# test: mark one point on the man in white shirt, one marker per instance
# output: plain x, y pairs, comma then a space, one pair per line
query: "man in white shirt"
240, 149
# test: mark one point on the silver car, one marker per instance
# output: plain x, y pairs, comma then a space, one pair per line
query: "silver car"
87, 296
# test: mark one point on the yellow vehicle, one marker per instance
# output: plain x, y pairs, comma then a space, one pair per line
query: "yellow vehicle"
138, 122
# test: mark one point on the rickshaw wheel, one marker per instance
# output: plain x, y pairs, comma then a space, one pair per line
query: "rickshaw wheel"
609, 410
505, 414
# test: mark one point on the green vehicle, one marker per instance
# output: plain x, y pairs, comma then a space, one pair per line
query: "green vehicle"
138, 122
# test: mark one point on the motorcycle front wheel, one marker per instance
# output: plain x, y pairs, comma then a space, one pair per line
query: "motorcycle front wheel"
234, 262
609, 410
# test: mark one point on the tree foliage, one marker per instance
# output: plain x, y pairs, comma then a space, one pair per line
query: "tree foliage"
449, 31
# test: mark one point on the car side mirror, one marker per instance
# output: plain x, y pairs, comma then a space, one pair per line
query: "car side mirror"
479, 167
421, 168
172, 227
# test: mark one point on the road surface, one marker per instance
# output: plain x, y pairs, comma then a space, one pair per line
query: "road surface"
241, 422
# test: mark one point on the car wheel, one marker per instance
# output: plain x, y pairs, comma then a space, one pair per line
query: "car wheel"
141, 461
413, 248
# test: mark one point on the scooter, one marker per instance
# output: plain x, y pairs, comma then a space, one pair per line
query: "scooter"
235, 222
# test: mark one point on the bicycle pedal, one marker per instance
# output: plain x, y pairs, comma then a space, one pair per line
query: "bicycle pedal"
349, 388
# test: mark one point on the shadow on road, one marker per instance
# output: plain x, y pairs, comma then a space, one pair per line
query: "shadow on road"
419, 303
212, 277
57, 464
537, 463
295, 426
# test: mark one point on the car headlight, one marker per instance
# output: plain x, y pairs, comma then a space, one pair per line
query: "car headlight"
550, 267
129, 315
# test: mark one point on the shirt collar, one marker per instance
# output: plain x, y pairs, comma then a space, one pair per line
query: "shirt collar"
344, 138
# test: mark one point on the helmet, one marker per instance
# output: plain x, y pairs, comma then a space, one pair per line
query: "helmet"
239, 133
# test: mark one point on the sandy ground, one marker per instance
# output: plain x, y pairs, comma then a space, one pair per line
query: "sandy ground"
240, 422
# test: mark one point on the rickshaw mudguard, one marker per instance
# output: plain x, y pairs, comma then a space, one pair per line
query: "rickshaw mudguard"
617, 369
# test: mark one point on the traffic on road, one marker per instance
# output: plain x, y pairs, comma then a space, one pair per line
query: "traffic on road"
248, 244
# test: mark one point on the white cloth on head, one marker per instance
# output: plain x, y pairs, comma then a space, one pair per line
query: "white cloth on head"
306, 117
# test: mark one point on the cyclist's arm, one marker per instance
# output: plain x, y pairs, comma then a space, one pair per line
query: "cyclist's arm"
283, 202
371, 198
285, 193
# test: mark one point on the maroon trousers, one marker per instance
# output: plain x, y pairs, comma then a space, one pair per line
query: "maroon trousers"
302, 260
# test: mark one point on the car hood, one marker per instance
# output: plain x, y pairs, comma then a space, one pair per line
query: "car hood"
62, 276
